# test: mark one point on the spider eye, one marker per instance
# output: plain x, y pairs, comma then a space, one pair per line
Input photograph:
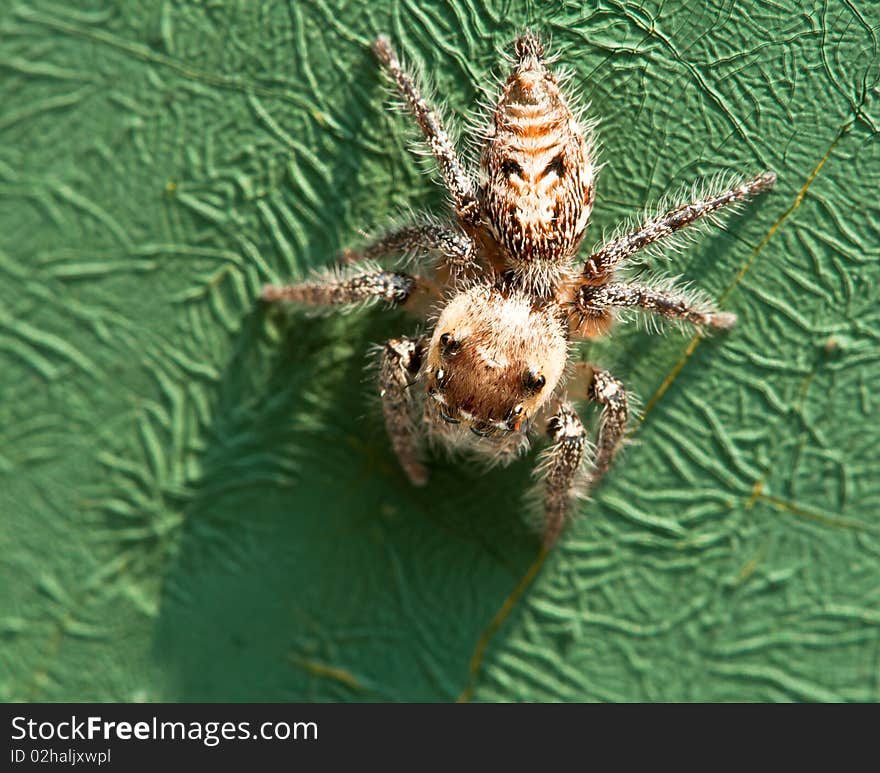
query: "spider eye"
510, 167
448, 345
440, 375
557, 165
534, 382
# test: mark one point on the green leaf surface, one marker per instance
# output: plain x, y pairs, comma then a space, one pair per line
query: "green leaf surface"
197, 498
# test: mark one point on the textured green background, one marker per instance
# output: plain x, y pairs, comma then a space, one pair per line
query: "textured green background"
197, 497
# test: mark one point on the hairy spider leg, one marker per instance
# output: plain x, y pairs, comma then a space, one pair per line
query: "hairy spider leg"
456, 179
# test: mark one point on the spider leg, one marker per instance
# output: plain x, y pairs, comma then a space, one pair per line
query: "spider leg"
611, 255
457, 250
610, 394
458, 182
355, 285
561, 465
400, 362
593, 301
358, 280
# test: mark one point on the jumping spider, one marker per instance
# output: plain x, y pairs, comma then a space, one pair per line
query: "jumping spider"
504, 295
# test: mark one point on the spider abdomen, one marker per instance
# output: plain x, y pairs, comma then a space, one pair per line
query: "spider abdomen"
537, 176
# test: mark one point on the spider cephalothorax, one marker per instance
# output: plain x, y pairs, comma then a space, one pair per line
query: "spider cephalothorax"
507, 293
494, 359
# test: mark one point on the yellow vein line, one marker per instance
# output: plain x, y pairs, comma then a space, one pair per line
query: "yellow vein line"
795, 509
497, 621
329, 672
785, 215
694, 342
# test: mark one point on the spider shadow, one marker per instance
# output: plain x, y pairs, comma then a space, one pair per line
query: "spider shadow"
307, 567
305, 553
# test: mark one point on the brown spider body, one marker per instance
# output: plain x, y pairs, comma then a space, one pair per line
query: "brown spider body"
506, 294
536, 171
494, 359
